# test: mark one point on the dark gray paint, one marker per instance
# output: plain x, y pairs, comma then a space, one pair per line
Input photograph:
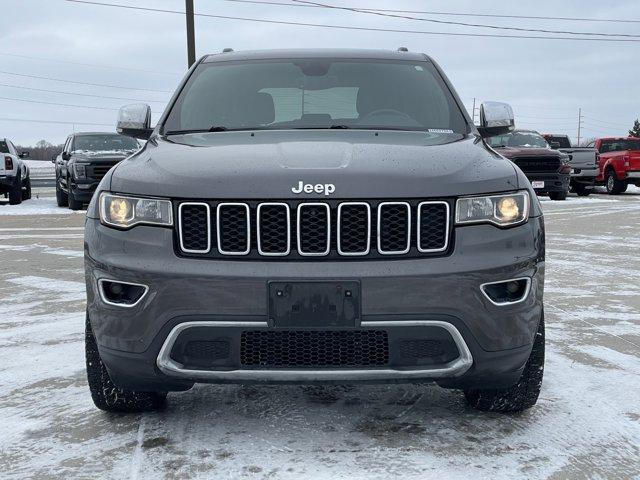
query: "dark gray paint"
362, 165
268, 164
430, 286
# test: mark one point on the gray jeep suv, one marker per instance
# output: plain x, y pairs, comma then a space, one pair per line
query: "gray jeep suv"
315, 216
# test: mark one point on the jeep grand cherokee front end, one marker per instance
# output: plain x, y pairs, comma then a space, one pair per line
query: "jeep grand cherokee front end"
315, 216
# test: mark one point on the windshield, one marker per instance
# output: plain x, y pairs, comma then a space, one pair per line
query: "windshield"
104, 143
619, 145
316, 93
561, 140
519, 140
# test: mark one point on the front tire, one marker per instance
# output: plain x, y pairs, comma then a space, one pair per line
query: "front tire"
615, 186
62, 198
523, 394
73, 203
558, 195
105, 394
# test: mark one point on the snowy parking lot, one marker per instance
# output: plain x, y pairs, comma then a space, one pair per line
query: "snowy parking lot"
585, 425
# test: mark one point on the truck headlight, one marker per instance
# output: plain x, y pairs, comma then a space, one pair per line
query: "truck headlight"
122, 211
80, 169
503, 210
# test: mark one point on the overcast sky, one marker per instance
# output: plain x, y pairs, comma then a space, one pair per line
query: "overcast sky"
546, 81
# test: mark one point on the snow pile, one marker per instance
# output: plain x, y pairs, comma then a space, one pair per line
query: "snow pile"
39, 165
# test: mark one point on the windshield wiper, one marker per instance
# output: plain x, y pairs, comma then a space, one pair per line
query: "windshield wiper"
323, 127
215, 128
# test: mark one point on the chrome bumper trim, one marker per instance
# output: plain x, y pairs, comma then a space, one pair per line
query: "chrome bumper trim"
455, 368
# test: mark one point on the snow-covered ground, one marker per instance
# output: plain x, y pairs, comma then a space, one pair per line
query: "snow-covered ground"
37, 206
586, 424
40, 165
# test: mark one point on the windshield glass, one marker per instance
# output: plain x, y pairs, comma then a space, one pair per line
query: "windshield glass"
561, 140
519, 140
316, 93
619, 145
104, 143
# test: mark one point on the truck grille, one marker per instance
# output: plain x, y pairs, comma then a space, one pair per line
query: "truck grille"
537, 164
300, 230
314, 348
99, 171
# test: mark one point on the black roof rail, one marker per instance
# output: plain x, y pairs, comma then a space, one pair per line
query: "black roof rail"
227, 50
403, 49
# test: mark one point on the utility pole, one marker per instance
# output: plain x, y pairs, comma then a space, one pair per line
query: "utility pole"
579, 125
191, 40
474, 111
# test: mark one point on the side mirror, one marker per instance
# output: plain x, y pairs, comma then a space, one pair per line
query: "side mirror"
135, 121
496, 118
54, 158
66, 156
24, 155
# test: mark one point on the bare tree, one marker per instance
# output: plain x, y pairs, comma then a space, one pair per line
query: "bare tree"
42, 150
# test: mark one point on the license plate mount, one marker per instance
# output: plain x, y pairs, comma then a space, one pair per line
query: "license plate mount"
314, 304
537, 184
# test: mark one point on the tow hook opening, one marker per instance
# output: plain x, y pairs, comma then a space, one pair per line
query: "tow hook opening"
507, 292
121, 294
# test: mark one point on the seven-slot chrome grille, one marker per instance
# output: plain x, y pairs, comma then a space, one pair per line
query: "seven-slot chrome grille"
314, 229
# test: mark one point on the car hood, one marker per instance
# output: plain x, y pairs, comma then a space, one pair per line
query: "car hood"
268, 164
101, 157
513, 152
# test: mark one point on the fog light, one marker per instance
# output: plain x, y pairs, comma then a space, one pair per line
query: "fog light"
121, 294
507, 292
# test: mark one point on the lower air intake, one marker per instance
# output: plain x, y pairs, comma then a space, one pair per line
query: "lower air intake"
308, 348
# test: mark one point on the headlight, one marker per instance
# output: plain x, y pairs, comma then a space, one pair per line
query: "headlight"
502, 210
124, 212
80, 170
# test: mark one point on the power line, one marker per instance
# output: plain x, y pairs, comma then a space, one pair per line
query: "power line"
82, 83
109, 67
32, 120
596, 120
354, 28
464, 24
58, 104
453, 14
80, 94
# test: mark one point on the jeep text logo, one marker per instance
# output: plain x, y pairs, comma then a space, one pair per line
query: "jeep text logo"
326, 188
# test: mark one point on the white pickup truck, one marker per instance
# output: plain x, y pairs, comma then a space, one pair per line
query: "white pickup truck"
583, 162
14, 174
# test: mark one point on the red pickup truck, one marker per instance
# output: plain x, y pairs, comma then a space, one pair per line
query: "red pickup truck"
619, 163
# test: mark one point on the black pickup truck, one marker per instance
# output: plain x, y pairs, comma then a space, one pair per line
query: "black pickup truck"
306, 216
85, 160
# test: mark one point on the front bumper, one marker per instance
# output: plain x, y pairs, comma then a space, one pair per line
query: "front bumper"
633, 175
553, 182
398, 296
83, 190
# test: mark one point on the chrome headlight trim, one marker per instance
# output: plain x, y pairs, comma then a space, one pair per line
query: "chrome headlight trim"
493, 219
135, 219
